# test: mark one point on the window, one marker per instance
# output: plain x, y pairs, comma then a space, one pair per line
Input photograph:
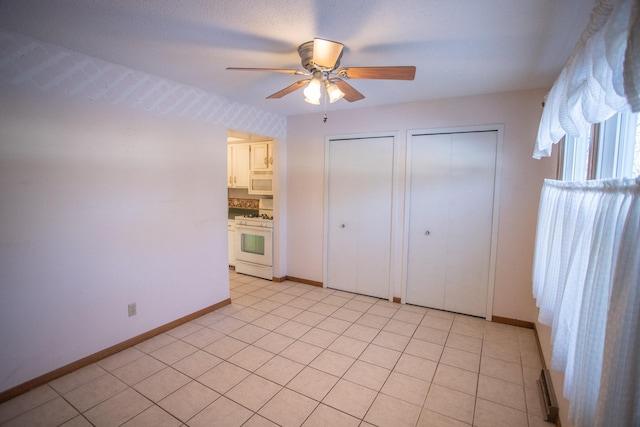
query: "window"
611, 150
586, 275
575, 157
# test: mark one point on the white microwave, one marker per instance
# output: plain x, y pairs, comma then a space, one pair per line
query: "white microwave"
261, 182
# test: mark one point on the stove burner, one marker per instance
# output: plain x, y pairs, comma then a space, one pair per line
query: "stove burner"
261, 216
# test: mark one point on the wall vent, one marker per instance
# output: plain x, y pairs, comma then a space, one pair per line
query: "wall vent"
547, 397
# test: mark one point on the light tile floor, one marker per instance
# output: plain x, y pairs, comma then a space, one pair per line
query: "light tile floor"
291, 354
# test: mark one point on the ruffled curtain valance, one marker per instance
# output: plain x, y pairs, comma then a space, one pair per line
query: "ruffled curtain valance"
601, 77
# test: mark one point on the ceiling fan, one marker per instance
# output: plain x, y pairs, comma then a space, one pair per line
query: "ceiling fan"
321, 59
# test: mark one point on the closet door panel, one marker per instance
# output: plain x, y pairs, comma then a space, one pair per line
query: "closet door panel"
450, 193
470, 219
359, 215
428, 227
342, 233
374, 221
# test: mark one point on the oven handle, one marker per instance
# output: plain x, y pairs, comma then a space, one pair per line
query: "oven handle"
252, 228
254, 264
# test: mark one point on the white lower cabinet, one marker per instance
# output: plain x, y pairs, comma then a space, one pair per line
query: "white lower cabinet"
231, 235
450, 191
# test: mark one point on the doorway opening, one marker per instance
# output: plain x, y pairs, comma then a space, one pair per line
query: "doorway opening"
250, 193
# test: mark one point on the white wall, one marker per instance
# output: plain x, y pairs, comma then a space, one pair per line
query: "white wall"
100, 208
112, 191
521, 180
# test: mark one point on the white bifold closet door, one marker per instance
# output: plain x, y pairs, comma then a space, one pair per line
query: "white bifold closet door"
451, 197
358, 234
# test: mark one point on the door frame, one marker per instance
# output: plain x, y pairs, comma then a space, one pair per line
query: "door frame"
499, 128
397, 199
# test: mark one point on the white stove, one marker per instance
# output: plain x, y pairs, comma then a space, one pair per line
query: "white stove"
263, 220
254, 242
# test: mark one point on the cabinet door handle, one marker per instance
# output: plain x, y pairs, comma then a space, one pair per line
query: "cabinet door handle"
426, 233
271, 160
235, 179
230, 180
342, 226
266, 161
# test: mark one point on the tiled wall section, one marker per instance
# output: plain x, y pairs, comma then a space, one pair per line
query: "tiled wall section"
30, 63
244, 203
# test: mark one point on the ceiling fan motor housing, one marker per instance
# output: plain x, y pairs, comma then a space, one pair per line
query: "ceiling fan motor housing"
305, 50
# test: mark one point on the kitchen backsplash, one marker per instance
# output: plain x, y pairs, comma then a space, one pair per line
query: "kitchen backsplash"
244, 203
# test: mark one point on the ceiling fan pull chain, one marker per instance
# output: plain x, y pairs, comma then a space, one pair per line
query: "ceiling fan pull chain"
324, 120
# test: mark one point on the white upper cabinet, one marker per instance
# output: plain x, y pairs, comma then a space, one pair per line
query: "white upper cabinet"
261, 156
238, 165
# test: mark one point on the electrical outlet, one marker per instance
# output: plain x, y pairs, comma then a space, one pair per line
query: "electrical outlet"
132, 309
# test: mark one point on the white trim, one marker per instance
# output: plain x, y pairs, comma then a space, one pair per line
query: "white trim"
612, 148
497, 186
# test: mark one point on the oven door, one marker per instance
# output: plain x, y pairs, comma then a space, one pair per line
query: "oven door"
254, 245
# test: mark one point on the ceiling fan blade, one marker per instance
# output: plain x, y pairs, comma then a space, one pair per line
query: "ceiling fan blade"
388, 73
272, 70
292, 88
326, 53
350, 94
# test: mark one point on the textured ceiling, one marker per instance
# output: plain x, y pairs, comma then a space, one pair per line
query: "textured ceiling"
460, 47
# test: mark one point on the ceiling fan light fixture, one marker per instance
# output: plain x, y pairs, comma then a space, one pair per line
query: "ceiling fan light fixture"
312, 91
334, 92
312, 101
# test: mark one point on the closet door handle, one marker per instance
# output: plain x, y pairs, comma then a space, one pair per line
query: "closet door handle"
426, 233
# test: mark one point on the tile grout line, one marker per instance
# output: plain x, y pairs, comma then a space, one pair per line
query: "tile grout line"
380, 330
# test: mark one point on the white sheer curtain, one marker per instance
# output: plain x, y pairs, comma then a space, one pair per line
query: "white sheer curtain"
586, 281
601, 77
